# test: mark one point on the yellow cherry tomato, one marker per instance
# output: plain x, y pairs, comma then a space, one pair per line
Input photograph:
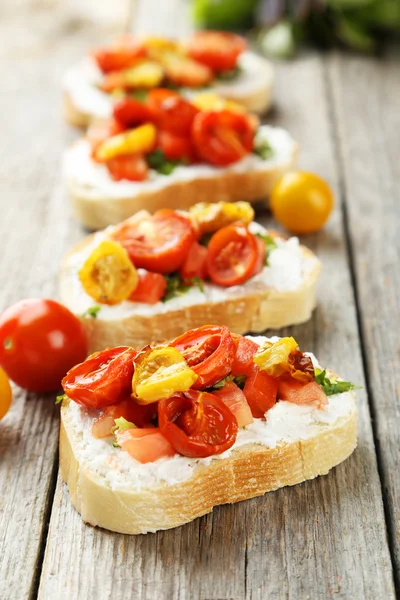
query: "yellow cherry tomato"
209, 217
108, 275
208, 101
135, 141
301, 201
272, 357
5, 394
160, 373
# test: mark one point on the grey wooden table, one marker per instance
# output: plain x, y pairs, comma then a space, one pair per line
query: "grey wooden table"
334, 537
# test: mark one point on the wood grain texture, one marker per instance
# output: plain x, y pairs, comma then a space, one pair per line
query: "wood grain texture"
322, 539
366, 108
35, 230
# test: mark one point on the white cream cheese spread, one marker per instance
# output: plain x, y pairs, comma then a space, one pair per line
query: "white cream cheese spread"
285, 422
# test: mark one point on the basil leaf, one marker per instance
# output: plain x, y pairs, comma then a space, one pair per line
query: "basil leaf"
229, 75
263, 149
176, 286
60, 398
91, 312
333, 386
270, 244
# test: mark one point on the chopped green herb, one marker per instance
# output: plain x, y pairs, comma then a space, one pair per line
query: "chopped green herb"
238, 379
158, 161
91, 312
229, 75
140, 95
60, 398
121, 424
116, 445
270, 244
205, 239
177, 287
331, 387
263, 149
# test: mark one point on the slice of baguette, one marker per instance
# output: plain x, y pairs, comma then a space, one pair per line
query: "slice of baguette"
248, 471
255, 310
83, 101
98, 201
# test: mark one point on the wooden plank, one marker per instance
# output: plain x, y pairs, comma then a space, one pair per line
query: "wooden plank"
35, 228
366, 95
321, 539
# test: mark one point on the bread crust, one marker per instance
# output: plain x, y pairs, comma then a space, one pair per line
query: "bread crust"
72, 114
96, 211
255, 312
250, 471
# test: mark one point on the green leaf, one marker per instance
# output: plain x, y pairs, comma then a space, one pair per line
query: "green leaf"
220, 384
205, 239
270, 244
263, 149
176, 286
61, 398
91, 312
140, 95
157, 161
334, 386
230, 75
121, 424
354, 35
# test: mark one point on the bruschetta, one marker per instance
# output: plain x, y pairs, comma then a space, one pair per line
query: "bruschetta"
154, 438
167, 152
155, 276
216, 61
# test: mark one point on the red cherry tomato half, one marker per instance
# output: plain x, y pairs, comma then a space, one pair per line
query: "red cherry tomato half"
39, 341
159, 242
130, 112
209, 351
105, 378
140, 415
150, 289
235, 400
261, 256
243, 363
216, 49
260, 390
195, 264
299, 393
171, 112
232, 255
132, 167
175, 147
222, 137
197, 424
122, 56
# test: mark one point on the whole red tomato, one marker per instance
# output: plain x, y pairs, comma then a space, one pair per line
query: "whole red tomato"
39, 341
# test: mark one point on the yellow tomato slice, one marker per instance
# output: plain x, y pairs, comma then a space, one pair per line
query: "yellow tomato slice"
135, 141
108, 275
208, 101
274, 357
160, 373
5, 394
212, 216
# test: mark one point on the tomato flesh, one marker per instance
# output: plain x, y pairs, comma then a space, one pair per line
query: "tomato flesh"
216, 49
39, 341
132, 167
294, 391
243, 363
141, 416
209, 351
235, 400
121, 57
175, 147
222, 137
260, 390
158, 242
105, 378
171, 112
129, 112
150, 289
261, 256
195, 264
145, 445
197, 424
232, 255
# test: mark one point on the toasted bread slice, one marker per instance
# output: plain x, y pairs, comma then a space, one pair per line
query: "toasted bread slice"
112, 490
254, 306
98, 201
84, 101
